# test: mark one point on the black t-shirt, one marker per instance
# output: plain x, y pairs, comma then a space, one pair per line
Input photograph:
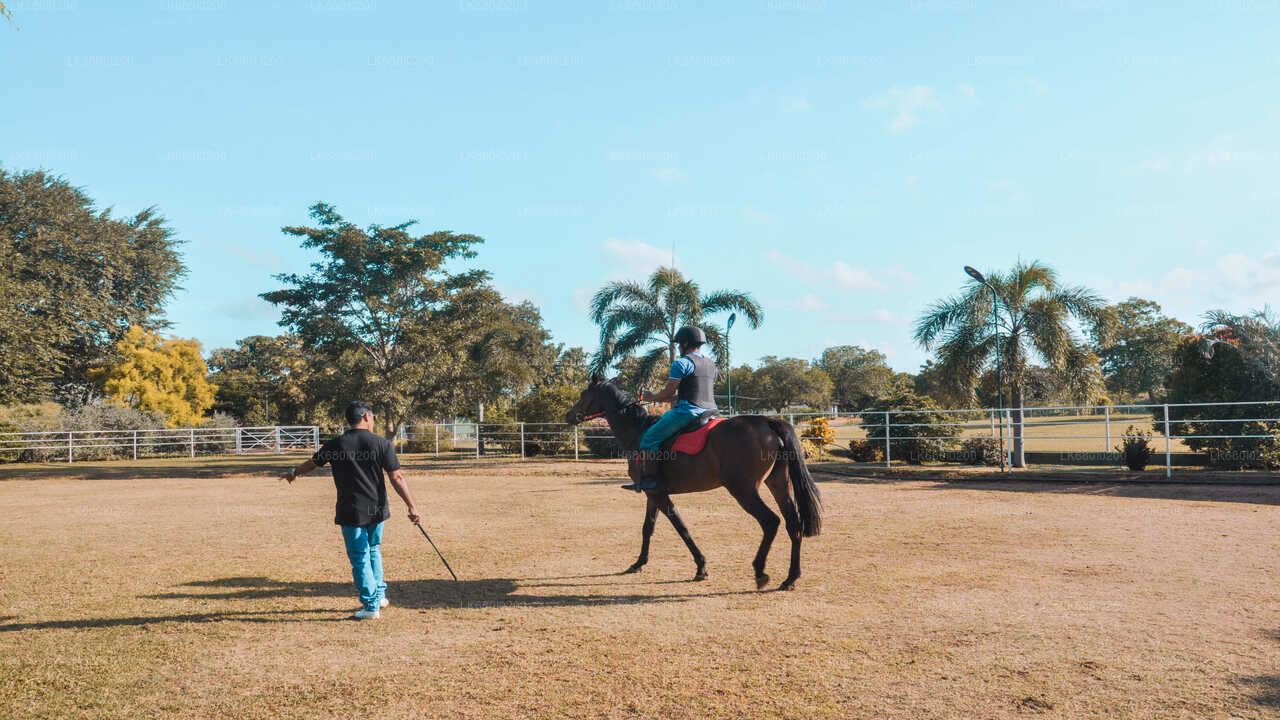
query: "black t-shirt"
358, 458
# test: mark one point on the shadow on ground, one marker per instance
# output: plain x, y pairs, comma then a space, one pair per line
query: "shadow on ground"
407, 594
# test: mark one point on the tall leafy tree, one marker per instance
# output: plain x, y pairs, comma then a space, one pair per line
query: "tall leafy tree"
1135, 344
73, 280
641, 320
1035, 312
267, 380
1236, 358
780, 383
858, 376
375, 301
412, 337
166, 376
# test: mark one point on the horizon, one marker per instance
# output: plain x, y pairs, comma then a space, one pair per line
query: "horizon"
842, 165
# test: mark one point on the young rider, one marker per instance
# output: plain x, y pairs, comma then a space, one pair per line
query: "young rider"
692, 380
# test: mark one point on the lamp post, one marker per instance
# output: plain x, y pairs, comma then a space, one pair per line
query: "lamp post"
995, 322
729, 363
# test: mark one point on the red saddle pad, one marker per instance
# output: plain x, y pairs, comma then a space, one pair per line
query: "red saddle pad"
691, 443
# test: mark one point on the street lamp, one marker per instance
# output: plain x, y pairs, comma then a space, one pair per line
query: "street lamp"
995, 321
729, 363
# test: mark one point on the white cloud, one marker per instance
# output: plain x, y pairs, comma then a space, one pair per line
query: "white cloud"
855, 278
640, 256
907, 105
839, 274
810, 303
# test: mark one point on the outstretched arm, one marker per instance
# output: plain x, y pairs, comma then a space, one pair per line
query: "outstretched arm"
299, 471
402, 489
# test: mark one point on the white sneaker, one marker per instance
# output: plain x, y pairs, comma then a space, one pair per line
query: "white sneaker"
363, 614
384, 602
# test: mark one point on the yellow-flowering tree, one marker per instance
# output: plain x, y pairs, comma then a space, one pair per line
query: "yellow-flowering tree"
167, 376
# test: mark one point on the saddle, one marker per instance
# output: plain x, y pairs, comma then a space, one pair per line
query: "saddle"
692, 438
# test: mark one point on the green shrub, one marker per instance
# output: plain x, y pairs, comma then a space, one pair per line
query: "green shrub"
866, 451
10, 447
919, 432
1135, 449
980, 451
599, 441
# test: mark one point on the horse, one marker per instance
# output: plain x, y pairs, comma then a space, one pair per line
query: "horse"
741, 453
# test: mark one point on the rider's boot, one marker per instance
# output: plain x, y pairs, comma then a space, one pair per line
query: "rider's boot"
647, 472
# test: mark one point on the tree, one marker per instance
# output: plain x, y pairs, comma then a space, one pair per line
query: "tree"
159, 375
268, 380
642, 320
1235, 359
1035, 314
381, 306
1135, 345
73, 280
858, 376
783, 382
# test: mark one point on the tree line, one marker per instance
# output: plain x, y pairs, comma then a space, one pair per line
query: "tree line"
382, 316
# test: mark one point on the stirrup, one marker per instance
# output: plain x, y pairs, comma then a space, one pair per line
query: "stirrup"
641, 485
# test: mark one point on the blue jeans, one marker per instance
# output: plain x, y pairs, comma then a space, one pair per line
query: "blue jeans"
669, 424
364, 548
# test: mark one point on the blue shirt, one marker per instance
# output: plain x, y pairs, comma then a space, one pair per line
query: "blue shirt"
679, 369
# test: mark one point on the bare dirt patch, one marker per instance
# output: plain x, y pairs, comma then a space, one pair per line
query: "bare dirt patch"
204, 593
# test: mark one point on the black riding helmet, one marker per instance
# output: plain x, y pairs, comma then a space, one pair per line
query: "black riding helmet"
691, 336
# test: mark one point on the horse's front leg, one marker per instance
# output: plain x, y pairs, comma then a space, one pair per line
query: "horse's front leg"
650, 517
668, 509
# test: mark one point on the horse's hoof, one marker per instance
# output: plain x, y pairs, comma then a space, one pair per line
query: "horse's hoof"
787, 584
700, 576
761, 581
633, 569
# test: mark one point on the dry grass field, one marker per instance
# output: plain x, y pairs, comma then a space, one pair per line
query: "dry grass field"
211, 590
1059, 433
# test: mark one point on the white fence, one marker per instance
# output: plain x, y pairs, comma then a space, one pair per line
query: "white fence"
1061, 436
70, 445
1058, 436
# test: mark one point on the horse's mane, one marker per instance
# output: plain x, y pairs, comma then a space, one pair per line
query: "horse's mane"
632, 413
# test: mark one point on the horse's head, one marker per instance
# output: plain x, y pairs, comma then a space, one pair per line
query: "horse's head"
599, 397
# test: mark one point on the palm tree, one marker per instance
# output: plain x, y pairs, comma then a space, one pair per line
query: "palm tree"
1034, 312
641, 320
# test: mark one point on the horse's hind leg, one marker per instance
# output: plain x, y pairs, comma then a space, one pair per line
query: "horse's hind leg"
668, 509
781, 489
650, 517
750, 501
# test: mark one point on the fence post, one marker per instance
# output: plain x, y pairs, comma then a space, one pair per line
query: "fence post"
70, 442
521, 441
575, 443
477, 440
277, 432
193, 442
888, 462
1168, 456
437, 440
135, 444
1108, 413
315, 436
239, 442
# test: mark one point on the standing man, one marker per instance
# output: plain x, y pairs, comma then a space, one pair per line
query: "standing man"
359, 458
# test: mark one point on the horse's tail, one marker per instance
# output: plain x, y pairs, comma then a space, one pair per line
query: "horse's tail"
808, 501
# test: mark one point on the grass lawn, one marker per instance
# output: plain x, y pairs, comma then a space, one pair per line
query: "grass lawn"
200, 589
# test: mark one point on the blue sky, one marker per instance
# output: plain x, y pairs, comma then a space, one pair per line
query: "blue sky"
840, 161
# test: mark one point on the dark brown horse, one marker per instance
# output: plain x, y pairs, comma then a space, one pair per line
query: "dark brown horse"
741, 453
